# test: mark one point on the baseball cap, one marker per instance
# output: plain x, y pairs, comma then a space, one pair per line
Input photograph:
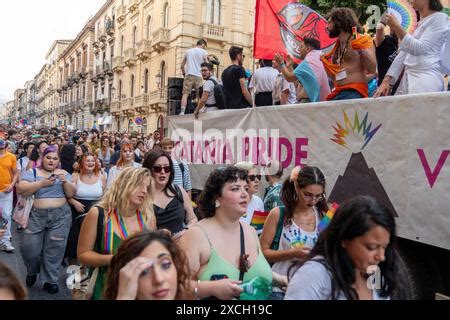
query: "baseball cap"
3, 144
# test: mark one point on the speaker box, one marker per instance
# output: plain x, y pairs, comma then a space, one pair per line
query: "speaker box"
175, 83
174, 107
175, 93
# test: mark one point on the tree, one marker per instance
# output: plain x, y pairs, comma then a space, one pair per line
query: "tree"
366, 10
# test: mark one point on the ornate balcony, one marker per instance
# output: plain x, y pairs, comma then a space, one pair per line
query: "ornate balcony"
107, 69
130, 57
214, 32
115, 108
96, 44
103, 38
127, 107
82, 73
160, 39
144, 50
109, 27
121, 13
141, 103
158, 100
118, 64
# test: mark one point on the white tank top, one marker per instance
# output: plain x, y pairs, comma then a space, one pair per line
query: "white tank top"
89, 191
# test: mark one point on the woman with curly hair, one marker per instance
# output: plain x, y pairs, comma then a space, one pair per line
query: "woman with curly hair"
125, 209
149, 266
222, 251
355, 249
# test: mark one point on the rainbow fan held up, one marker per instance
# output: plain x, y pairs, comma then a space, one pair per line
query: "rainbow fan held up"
405, 14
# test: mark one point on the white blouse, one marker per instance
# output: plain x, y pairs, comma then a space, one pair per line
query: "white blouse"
420, 55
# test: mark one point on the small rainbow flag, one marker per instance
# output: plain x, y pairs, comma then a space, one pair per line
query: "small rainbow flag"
258, 219
323, 224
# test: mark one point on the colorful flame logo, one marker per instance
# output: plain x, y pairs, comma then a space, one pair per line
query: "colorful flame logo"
350, 133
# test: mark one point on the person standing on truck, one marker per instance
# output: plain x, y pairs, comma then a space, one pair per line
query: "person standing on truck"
262, 83
234, 81
284, 92
310, 73
207, 100
420, 57
352, 57
191, 70
356, 249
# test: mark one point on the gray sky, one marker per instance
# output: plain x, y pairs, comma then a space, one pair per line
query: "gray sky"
28, 29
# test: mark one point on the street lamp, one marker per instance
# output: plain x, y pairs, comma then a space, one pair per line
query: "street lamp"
158, 79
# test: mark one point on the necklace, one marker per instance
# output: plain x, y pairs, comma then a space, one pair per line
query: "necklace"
90, 174
342, 52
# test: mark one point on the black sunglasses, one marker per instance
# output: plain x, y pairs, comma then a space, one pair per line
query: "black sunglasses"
253, 177
158, 169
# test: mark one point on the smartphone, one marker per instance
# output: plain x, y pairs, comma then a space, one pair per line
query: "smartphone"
218, 277
52, 176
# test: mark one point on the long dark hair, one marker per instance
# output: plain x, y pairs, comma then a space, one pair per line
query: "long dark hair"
149, 161
133, 246
213, 188
307, 176
68, 157
436, 5
353, 219
35, 153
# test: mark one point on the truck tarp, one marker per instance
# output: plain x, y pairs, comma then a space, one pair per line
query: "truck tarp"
395, 149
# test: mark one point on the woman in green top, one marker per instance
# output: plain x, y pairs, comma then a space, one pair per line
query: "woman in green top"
128, 208
213, 245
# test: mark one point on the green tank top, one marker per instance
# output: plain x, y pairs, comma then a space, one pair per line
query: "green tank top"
218, 266
100, 283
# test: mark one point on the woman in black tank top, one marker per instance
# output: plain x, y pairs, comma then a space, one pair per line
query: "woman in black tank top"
172, 206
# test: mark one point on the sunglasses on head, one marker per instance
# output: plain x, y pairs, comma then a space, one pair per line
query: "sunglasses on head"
158, 169
253, 177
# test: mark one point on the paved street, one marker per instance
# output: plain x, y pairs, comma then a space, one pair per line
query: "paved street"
15, 262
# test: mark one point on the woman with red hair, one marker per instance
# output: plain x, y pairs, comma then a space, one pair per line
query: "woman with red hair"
91, 184
126, 160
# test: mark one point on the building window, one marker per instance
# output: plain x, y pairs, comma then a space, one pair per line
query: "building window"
166, 16
121, 45
146, 81
132, 86
134, 37
213, 11
120, 90
148, 27
163, 74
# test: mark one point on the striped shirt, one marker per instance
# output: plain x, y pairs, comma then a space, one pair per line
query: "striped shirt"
182, 179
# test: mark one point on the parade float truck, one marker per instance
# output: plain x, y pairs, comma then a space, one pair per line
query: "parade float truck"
396, 149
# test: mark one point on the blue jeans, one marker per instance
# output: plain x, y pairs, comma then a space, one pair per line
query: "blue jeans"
6, 203
44, 241
348, 94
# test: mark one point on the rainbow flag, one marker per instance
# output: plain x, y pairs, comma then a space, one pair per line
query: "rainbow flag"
258, 219
323, 224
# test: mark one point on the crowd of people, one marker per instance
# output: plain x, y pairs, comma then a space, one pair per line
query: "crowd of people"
121, 206
134, 232
358, 65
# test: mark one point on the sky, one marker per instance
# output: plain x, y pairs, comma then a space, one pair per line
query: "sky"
28, 29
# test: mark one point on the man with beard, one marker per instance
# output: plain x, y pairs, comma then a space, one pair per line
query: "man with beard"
233, 79
351, 58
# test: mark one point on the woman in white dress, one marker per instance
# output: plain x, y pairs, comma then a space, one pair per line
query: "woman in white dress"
419, 57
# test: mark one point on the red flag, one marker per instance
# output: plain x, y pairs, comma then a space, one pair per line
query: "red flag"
281, 25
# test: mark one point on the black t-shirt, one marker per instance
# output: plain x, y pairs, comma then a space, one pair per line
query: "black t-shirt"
386, 53
232, 87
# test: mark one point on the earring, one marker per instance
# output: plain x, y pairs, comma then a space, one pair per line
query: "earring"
217, 204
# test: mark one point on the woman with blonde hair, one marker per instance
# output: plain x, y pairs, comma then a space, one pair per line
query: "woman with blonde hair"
125, 209
126, 160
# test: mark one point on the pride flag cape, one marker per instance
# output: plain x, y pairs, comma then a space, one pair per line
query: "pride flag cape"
323, 224
311, 75
258, 219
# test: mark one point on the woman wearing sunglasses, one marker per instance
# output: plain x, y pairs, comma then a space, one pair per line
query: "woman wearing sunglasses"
255, 203
290, 231
172, 205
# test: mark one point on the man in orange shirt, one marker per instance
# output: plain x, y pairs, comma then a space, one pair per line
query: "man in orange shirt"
8, 178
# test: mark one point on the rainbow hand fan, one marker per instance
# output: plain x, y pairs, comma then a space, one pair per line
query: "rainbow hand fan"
405, 14
323, 224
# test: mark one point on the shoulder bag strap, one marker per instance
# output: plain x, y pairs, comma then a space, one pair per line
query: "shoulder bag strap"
243, 260
276, 241
100, 219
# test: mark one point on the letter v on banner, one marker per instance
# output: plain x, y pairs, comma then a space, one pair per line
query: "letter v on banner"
433, 175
